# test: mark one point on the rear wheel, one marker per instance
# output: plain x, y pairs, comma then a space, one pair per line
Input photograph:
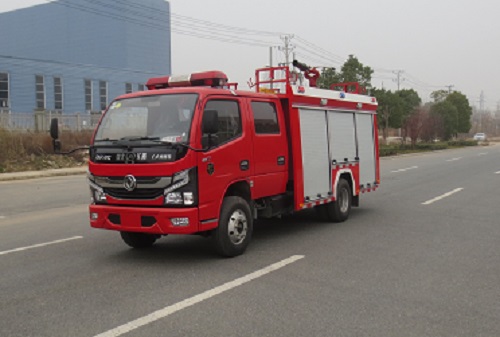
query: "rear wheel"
234, 232
138, 240
338, 211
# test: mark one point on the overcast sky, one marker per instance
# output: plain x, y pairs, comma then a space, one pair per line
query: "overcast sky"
436, 43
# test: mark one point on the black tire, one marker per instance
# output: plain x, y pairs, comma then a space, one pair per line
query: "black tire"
338, 211
138, 240
234, 232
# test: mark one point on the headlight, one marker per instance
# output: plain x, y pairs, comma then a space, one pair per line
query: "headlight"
174, 198
184, 189
179, 198
97, 194
180, 179
188, 198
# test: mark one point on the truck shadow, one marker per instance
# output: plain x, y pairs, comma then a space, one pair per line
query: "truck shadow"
181, 249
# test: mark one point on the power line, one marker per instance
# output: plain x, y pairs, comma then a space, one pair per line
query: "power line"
151, 13
203, 22
321, 50
220, 37
159, 19
78, 65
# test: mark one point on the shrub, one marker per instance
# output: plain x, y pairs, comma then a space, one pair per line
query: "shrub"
462, 142
33, 151
388, 150
431, 146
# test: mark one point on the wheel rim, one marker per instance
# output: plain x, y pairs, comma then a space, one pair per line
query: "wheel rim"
237, 227
343, 200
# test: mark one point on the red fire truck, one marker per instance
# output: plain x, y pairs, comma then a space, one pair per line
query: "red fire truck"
194, 155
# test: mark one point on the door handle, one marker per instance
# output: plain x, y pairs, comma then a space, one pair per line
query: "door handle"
244, 165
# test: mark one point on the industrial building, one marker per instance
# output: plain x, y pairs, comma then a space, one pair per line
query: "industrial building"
72, 56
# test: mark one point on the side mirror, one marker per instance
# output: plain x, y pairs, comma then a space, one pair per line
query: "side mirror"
210, 122
54, 134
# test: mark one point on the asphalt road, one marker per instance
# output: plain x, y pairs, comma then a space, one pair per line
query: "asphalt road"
420, 257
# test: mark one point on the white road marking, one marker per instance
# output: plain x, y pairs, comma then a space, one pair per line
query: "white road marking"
482, 153
497, 172
40, 245
405, 169
2, 217
454, 159
428, 202
162, 313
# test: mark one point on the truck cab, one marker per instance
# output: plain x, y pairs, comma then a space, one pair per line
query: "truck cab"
166, 160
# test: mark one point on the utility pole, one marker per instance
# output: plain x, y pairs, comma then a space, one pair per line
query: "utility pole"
398, 79
481, 101
481, 110
449, 88
287, 48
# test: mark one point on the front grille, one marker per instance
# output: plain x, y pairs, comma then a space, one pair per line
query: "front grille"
137, 194
146, 188
142, 182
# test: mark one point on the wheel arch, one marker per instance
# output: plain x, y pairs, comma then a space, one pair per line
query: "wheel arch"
350, 179
240, 188
348, 175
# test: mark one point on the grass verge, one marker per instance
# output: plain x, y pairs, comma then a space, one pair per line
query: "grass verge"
29, 151
393, 150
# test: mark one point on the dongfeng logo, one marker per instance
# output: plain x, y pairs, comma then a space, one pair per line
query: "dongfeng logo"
130, 158
130, 183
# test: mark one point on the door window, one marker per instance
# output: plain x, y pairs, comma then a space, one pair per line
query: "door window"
229, 120
265, 118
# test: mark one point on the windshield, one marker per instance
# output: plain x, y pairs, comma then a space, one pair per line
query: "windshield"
159, 117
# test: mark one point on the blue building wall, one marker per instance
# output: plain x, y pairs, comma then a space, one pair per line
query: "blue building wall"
124, 41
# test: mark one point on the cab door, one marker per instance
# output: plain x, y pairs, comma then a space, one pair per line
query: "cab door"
270, 148
230, 158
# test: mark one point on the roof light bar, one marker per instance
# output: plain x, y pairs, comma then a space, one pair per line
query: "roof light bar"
212, 79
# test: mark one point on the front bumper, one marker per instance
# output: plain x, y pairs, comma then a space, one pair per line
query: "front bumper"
145, 220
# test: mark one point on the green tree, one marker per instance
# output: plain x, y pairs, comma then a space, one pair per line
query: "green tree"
439, 95
410, 98
449, 116
464, 111
461, 122
390, 110
328, 77
352, 71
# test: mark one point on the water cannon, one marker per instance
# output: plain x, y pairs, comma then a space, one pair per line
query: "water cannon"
312, 74
301, 66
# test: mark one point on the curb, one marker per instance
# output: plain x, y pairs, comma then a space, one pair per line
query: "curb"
42, 174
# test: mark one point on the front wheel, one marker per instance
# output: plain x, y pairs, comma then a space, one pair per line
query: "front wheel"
338, 211
234, 232
138, 240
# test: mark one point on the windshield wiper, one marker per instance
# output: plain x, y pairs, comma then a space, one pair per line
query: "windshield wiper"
184, 145
136, 138
105, 140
